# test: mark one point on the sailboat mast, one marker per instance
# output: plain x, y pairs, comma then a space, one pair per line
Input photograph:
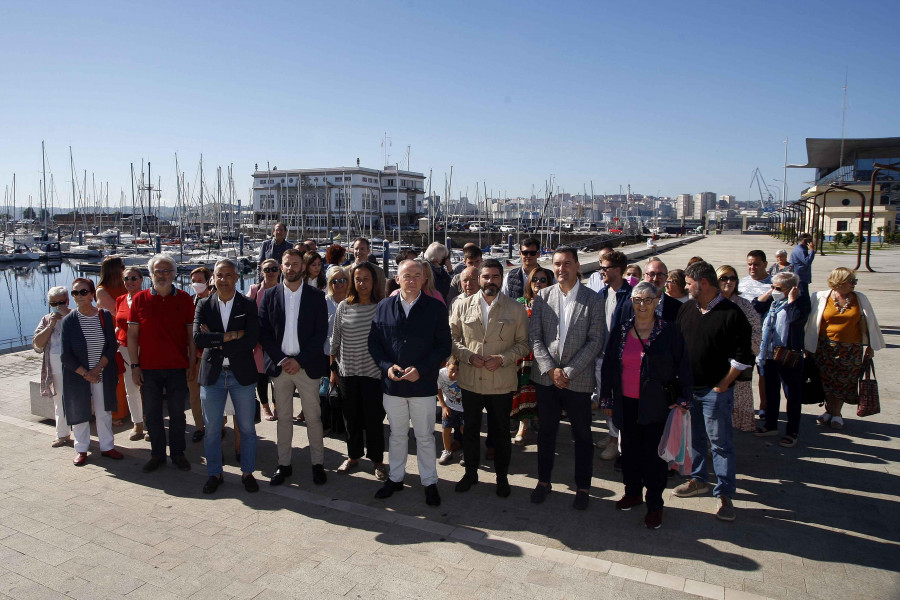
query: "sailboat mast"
200, 235
74, 207
44, 187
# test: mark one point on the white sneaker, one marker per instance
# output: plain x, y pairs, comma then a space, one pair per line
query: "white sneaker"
612, 450
823, 419
446, 457
837, 423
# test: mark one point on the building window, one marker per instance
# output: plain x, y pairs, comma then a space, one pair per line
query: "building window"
846, 201
841, 226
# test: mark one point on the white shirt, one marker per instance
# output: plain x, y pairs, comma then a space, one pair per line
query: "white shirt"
751, 288
290, 345
485, 310
225, 311
595, 281
407, 306
566, 306
611, 300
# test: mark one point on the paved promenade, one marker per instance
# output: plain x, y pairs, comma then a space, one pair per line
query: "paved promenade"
815, 521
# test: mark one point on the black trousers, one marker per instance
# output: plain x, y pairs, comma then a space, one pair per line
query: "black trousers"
167, 386
262, 388
363, 408
641, 465
498, 407
777, 377
551, 401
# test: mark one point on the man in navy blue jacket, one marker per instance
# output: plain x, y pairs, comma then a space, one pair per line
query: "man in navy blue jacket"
409, 340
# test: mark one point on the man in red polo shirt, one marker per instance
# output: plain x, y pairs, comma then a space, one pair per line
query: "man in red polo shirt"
160, 340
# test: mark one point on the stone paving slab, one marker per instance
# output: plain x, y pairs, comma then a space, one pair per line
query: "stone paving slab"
815, 521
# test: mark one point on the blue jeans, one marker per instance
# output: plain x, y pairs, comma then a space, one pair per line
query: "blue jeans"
243, 397
711, 418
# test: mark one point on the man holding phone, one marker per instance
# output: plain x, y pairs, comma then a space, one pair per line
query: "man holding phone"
409, 340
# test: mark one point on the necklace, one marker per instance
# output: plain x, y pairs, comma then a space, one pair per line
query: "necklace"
841, 306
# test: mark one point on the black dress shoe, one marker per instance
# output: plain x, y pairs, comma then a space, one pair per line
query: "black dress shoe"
581, 500
250, 484
198, 435
181, 462
503, 489
281, 473
466, 483
432, 498
153, 464
319, 476
388, 489
212, 484
237, 457
540, 493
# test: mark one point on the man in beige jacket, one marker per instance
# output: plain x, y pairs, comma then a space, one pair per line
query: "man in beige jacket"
490, 333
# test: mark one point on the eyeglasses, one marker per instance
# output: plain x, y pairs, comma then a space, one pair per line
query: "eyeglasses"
652, 275
854, 281
161, 272
642, 301
727, 278
604, 269
539, 280
133, 278
84, 292
271, 270
339, 280
59, 303
528, 252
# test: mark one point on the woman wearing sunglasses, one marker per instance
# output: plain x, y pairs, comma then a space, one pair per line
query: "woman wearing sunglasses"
134, 282
742, 414
524, 404
90, 374
842, 327
270, 272
47, 341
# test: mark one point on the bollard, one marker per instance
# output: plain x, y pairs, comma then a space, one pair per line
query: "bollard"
80, 237
158, 244
331, 237
386, 256
509, 241
59, 235
118, 237
241, 244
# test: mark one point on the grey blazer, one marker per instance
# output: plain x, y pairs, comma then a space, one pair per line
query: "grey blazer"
585, 337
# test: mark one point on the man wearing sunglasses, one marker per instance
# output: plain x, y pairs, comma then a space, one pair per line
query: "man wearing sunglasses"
160, 333
615, 294
514, 281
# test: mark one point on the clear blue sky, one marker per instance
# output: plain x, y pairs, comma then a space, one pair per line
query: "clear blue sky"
669, 97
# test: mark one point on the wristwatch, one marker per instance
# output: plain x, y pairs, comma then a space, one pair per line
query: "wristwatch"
133, 365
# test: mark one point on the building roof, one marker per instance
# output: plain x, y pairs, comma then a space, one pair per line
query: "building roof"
825, 153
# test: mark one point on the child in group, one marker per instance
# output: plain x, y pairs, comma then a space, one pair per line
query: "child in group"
450, 398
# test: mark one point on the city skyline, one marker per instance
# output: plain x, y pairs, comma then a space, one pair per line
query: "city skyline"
506, 94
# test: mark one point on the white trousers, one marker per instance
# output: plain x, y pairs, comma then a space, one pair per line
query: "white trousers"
82, 431
132, 391
56, 371
419, 411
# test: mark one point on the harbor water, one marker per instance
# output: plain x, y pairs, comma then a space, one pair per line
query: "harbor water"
23, 294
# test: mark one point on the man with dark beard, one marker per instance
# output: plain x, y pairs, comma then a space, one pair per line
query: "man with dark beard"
490, 333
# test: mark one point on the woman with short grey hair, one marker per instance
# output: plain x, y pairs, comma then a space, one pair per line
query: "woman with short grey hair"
436, 253
781, 264
780, 356
47, 340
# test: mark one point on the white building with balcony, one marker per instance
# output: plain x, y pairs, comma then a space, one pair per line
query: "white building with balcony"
353, 199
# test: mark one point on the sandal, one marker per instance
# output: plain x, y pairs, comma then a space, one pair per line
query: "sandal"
300, 418
348, 466
118, 422
763, 432
267, 413
788, 441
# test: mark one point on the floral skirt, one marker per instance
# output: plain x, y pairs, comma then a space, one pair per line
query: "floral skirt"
524, 403
742, 415
840, 364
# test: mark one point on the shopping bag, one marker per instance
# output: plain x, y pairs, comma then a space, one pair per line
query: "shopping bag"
869, 403
675, 444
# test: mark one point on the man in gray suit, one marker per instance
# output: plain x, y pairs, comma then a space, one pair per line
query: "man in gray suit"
566, 330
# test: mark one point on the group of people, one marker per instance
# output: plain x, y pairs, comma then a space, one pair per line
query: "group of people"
530, 343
